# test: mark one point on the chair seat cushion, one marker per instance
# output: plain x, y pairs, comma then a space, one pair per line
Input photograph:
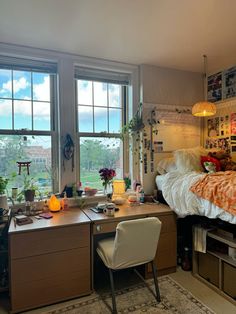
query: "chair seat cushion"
105, 251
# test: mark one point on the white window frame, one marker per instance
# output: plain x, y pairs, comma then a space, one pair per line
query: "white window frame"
33, 66
98, 75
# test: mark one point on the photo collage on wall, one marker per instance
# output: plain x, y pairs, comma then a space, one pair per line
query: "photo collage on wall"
214, 87
233, 131
222, 85
221, 132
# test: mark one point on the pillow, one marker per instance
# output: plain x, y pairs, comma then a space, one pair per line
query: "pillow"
166, 165
189, 159
212, 160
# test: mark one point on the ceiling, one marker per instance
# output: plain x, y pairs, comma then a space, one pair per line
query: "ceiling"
167, 33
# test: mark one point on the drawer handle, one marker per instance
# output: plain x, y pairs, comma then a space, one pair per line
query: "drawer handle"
99, 228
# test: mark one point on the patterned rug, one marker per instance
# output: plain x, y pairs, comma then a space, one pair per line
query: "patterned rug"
139, 299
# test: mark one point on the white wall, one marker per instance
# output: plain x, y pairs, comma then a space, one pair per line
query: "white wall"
173, 89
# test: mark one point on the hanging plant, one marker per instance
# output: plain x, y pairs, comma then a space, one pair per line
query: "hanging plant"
135, 125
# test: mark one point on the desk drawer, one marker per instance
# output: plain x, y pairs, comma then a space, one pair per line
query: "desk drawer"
100, 228
48, 241
51, 290
42, 267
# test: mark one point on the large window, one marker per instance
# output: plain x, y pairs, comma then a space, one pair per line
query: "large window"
101, 111
26, 124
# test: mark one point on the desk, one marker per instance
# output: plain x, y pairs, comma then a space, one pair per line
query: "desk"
166, 252
49, 260
52, 260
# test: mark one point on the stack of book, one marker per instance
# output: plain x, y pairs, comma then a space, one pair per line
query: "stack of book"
22, 220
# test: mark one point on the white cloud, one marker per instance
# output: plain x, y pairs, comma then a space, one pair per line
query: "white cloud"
42, 90
5, 107
18, 85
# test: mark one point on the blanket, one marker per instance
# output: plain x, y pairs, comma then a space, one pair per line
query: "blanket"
218, 188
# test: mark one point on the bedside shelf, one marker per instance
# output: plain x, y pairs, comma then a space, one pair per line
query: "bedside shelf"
215, 267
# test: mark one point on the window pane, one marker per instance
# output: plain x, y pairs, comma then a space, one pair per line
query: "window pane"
36, 149
5, 84
84, 91
22, 115
100, 94
85, 119
41, 115
100, 117
41, 86
97, 153
114, 95
115, 120
5, 114
22, 84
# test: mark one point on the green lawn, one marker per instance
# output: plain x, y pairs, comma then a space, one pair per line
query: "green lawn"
91, 179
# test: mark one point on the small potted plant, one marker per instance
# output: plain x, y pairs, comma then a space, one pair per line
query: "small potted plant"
29, 188
3, 197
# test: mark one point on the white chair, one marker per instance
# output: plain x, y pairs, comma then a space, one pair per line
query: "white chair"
135, 243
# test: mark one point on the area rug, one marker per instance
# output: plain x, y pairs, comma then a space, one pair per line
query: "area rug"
139, 299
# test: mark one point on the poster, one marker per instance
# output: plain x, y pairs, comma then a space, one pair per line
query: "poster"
229, 89
214, 87
213, 127
233, 123
219, 143
224, 126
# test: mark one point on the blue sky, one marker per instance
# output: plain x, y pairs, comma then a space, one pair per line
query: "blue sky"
107, 105
17, 85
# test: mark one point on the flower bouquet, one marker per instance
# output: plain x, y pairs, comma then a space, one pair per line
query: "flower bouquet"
106, 176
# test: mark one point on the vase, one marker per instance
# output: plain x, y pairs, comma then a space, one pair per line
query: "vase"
108, 190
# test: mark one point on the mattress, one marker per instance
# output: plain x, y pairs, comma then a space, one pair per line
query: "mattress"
175, 188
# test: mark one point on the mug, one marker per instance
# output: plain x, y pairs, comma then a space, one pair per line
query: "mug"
109, 211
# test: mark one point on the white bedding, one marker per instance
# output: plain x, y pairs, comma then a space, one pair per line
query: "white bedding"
159, 181
175, 189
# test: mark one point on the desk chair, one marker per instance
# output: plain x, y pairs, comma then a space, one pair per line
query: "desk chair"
135, 243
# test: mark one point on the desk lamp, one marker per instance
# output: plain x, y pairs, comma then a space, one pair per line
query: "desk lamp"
118, 191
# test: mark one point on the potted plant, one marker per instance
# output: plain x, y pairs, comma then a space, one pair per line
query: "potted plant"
29, 188
3, 197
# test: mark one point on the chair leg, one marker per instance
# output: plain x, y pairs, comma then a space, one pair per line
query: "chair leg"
154, 272
114, 310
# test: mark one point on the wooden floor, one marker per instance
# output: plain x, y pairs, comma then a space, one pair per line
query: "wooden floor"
206, 295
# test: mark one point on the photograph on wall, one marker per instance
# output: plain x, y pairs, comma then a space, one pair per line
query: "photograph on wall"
229, 87
158, 146
218, 143
214, 87
213, 127
233, 123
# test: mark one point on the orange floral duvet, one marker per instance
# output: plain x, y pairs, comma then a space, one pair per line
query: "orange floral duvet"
218, 188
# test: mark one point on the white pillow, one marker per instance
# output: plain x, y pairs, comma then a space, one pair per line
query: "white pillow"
189, 159
166, 165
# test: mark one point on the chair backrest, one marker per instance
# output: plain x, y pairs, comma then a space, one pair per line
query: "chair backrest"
136, 242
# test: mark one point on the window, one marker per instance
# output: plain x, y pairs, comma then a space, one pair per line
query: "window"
27, 96
101, 109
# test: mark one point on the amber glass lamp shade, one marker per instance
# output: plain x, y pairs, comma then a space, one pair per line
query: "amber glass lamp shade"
204, 109
54, 204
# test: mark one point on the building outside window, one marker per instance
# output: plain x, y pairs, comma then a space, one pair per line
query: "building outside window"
101, 112
27, 122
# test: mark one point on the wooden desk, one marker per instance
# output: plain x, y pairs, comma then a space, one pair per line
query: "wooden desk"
166, 251
49, 260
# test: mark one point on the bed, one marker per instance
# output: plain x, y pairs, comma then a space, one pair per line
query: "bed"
177, 175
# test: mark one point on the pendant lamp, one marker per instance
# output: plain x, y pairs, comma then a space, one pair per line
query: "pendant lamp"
204, 108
